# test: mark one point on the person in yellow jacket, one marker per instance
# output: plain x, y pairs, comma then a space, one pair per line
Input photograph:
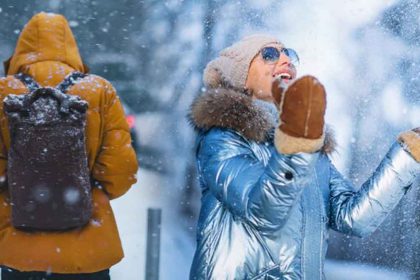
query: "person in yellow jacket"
47, 51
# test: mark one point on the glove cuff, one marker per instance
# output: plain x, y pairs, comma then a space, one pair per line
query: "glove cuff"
411, 143
287, 144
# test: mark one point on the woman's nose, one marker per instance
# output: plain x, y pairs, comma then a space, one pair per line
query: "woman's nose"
283, 60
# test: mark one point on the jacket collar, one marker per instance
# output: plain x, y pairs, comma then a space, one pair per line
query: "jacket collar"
227, 108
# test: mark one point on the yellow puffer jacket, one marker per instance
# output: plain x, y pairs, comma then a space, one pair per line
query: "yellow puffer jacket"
47, 51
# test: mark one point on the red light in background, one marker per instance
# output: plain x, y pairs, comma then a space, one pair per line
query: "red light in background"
131, 120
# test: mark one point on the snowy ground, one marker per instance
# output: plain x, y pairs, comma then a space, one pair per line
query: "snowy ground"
131, 214
177, 247
335, 270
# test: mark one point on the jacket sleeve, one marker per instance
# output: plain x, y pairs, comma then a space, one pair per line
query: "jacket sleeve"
116, 164
260, 195
360, 212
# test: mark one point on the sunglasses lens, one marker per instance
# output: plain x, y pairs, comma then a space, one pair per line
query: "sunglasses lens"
293, 56
270, 54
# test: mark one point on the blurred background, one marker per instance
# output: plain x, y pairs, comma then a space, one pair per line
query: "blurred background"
367, 54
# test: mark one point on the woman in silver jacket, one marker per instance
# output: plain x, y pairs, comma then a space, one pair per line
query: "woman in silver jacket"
269, 191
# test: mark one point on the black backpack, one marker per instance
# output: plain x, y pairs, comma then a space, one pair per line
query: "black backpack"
48, 175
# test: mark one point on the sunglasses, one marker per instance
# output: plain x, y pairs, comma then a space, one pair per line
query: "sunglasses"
272, 55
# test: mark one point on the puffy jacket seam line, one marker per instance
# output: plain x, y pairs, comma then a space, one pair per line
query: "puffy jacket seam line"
101, 130
65, 45
263, 243
302, 260
322, 207
37, 37
207, 269
263, 273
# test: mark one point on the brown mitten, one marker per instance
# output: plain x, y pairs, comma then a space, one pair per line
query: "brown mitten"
411, 141
302, 108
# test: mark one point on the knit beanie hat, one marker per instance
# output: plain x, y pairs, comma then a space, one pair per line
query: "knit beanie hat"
232, 65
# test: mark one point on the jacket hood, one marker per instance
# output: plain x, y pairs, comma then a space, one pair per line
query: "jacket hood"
227, 108
46, 37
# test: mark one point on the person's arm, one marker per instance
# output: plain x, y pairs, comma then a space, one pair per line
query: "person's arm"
360, 212
116, 164
259, 195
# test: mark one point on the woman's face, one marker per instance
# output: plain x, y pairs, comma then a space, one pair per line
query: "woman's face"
263, 71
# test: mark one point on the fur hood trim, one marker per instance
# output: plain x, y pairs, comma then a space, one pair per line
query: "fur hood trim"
227, 108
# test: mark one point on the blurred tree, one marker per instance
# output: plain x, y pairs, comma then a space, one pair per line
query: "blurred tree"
388, 64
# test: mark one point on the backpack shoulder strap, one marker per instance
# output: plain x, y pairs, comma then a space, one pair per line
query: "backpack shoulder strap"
28, 81
70, 80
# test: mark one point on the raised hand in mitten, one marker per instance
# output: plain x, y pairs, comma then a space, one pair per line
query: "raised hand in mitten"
411, 142
302, 108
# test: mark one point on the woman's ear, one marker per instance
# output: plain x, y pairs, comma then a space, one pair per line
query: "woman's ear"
250, 77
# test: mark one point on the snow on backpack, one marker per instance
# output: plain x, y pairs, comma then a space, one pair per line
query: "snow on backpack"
47, 172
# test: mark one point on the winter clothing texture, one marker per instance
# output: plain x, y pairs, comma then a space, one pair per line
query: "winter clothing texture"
9, 274
231, 67
302, 109
47, 51
266, 215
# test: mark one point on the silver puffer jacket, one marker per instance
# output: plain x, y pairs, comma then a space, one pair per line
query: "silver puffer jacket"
265, 215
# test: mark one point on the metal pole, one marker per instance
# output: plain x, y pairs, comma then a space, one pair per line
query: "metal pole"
153, 243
